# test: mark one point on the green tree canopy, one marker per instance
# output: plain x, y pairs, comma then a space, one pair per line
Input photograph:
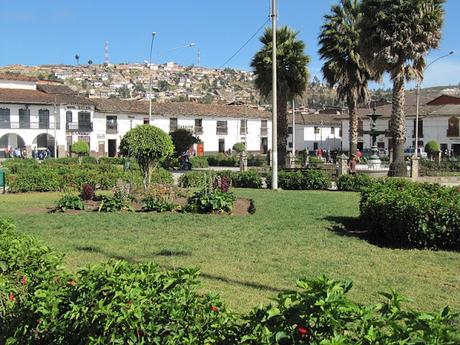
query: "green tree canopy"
396, 36
292, 75
182, 140
149, 145
344, 67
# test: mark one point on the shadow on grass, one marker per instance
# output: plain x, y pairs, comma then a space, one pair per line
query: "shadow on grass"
93, 249
170, 252
353, 227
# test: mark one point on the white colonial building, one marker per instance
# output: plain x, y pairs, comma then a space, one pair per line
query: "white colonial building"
35, 114
438, 120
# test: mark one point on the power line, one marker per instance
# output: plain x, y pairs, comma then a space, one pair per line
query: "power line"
245, 44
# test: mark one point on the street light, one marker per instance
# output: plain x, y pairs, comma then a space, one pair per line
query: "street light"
190, 45
417, 93
150, 78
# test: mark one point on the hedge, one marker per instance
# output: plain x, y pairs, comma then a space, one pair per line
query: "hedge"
199, 162
199, 179
302, 180
413, 214
354, 183
39, 177
122, 303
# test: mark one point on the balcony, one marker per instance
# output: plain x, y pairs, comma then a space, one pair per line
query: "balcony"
112, 128
30, 125
222, 131
263, 131
79, 127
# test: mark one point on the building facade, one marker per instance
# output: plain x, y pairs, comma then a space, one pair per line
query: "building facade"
35, 114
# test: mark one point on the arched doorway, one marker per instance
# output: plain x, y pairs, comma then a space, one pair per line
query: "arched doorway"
11, 140
45, 140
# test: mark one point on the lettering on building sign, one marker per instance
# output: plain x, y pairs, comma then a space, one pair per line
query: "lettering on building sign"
188, 128
79, 107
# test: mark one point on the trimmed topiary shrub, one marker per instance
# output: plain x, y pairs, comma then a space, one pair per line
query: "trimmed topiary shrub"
432, 148
354, 182
412, 214
239, 147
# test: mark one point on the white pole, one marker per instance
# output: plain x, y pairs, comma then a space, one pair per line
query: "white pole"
55, 125
293, 128
417, 93
150, 78
274, 104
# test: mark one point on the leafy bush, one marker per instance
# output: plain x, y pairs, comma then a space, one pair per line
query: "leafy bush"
432, 147
199, 162
152, 203
315, 160
87, 192
112, 160
247, 179
413, 214
302, 180
211, 201
320, 313
354, 183
196, 179
257, 160
222, 160
81, 148
89, 160
35, 178
182, 140
69, 202
239, 147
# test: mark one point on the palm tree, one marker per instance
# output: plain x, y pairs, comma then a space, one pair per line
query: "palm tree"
344, 67
77, 57
292, 75
396, 36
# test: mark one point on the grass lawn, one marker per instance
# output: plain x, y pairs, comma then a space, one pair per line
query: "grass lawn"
247, 259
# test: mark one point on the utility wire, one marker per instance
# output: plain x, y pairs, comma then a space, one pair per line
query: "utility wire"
245, 44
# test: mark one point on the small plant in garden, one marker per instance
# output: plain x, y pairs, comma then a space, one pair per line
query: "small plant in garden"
152, 203
213, 199
87, 192
112, 204
69, 202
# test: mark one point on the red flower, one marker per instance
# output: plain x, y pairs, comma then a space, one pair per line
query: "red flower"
214, 309
303, 331
11, 297
23, 280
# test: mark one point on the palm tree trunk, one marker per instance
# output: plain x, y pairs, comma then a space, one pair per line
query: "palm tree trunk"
282, 130
353, 130
398, 127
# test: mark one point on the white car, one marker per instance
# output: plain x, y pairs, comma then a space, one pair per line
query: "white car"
410, 152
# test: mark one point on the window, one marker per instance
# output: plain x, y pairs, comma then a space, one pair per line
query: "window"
290, 130
68, 117
198, 126
243, 127
316, 130
315, 146
263, 127
173, 124
333, 131
5, 118
146, 121
84, 122
111, 125
420, 129
222, 128
452, 129
43, 119
24, 118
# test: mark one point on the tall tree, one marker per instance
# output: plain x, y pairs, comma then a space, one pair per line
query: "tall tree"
292, 75
77, 58
396, 36
344, 66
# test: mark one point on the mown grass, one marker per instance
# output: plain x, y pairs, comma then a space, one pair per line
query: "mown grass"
247, 259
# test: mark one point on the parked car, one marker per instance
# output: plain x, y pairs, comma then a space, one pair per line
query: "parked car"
409, 152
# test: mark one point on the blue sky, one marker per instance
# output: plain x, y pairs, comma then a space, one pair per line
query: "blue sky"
53, 31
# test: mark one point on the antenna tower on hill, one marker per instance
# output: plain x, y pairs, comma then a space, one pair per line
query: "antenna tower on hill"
106, 53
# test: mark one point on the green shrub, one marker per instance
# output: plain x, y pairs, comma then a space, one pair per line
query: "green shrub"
199, 162
354, 183
81, 148
162, 176
61, 161
320, 313
239, 147
155, 204
302, 180
222, 160
196, 179
315, 160
210, 201
69, 202
257, 160
432, 147
412, 214
247, 179
35, 178
89, 160
110, 203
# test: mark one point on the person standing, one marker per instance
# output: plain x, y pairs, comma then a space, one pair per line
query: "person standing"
352, 164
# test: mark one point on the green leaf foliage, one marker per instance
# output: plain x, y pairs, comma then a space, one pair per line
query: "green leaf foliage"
80, 147
69, 202
302, 180
182, 140
412, 214
354, 183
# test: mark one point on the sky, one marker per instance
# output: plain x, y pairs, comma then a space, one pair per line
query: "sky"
36, 32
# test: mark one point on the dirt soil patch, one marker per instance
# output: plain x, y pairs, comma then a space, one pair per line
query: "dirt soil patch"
241, 207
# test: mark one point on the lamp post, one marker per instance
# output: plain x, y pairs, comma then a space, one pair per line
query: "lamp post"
274, 103
150, 78
417, 94
190, 45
